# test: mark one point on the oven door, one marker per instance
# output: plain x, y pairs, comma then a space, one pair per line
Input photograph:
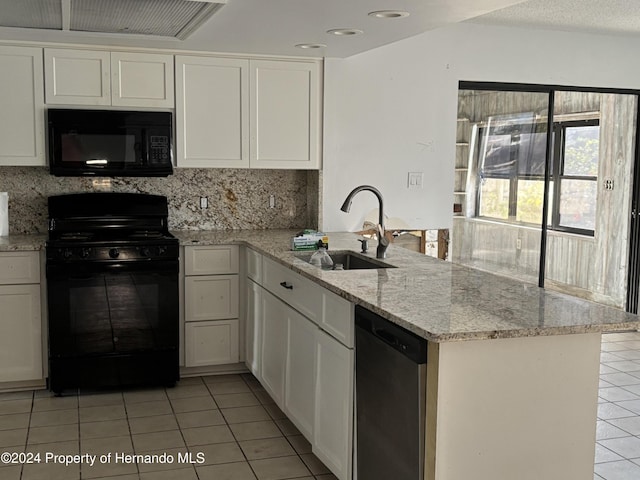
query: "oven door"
97, 308
112, 323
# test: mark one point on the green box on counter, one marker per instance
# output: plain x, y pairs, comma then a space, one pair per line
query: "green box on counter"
309, 240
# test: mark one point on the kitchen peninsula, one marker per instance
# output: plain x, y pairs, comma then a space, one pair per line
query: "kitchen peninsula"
512, 372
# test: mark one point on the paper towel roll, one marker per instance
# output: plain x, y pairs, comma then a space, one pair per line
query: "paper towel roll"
4, 214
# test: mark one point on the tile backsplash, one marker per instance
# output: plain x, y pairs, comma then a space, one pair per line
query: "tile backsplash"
237, 198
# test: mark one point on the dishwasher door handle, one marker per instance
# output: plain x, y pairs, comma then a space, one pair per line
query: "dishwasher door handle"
386, 336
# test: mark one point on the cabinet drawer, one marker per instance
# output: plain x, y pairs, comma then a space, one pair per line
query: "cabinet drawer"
254, 266
211, 343
299, 292
211, 260
211, 297
19, 268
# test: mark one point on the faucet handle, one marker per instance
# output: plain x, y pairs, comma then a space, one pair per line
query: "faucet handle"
364, 243
382, 238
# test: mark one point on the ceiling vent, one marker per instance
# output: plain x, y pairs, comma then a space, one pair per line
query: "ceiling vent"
165, 18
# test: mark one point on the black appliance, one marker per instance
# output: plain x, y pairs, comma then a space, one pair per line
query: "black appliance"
390, 399
109, 143
112, 288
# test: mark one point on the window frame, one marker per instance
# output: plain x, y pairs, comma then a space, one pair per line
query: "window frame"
557, 174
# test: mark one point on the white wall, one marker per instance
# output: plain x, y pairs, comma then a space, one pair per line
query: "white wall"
392, 110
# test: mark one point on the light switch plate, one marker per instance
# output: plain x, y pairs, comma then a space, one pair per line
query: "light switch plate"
414, 180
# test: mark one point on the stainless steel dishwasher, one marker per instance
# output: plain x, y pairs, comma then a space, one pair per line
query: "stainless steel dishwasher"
390, 399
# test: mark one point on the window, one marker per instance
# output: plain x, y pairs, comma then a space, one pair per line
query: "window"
575, 176
511, 163
511, 166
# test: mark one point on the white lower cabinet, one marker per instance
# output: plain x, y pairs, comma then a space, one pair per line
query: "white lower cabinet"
253, 327
300, 373
308, 372
211, 343
20, 317
333, 430
273, 355
211, 293
20, 333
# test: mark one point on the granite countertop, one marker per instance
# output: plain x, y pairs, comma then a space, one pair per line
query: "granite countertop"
13, 243
437, 300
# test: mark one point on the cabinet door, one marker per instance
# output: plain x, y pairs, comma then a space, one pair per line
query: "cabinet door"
212, 112
273, 351
211, 297
77, 77
299, 399
20, 333
285, 114
333, 428
211, 343
22, 106
141, 80
253, 327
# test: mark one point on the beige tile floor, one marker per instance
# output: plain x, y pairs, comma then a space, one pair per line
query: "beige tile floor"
229, 421
241, 434
618, 427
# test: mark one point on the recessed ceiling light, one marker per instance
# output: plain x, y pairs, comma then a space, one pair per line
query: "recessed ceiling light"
344, 32
389, 14
310, 45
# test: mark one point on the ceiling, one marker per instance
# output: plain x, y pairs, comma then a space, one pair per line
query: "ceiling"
275, 27
616, 17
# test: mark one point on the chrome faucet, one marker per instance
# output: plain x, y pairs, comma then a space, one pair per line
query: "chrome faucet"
383, 243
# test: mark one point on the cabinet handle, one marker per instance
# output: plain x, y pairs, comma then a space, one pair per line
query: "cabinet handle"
286, 285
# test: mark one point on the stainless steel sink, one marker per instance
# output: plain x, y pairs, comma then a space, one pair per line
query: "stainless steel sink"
349, 260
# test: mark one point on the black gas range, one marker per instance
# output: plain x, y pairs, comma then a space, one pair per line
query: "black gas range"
112, 285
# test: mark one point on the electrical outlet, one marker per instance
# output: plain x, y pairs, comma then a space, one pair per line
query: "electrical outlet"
204, 203
272, 201
608, 183
518, 243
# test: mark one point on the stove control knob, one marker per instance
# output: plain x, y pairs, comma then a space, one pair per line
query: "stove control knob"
145, 251
114, 253
67, 253
162, 250
85, 252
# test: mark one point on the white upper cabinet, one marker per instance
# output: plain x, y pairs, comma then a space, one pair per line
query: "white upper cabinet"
22, 102
100, 78
239, 113
212, 112
141, 80
285, 114
77, 77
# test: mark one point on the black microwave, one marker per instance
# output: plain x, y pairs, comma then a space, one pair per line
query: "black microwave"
109, 143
